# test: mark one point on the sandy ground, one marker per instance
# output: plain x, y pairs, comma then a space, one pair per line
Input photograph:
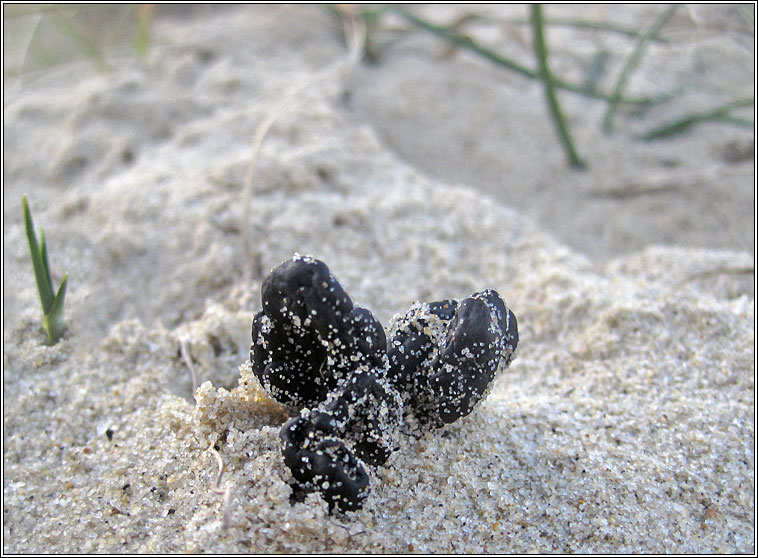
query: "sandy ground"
626, 422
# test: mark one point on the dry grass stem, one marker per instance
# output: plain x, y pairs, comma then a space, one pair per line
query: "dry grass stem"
355, 35
226, 493
188, 361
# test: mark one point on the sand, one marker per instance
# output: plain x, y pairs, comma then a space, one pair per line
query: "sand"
625, 423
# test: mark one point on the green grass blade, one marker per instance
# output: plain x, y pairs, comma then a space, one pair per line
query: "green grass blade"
469, 44
54, 323
596, 70
465, 42
43, 252
41, 273
556, 114
720, 113
145, 13
631, 63
592, 25
85, 44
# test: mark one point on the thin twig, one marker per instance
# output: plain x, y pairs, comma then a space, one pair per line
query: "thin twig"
188, 361
226, 493
116, 510
351, 535
355, 35
556, 114
220, 461
663, 181
631, 63
327, 514
468, 43
346, 528
720, 271
720, 113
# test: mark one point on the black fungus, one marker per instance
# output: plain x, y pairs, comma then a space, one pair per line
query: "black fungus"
320, 461
443, 356
309, 336
317, 353
366, 412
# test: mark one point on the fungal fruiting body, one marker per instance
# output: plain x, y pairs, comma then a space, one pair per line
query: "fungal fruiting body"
354, 388
443, 356
309, 336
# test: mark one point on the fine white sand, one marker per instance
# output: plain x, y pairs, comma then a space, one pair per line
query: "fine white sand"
625, 423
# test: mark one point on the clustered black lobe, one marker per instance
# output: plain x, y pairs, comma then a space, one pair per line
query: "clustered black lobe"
354, 389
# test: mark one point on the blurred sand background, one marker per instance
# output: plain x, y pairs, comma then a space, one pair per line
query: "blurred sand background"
626, 422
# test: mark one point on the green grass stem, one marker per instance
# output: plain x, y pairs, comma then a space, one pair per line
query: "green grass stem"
720, 114
85, 44
52, 305
592, 25
556, 114
145, 16
469, 44
631, 63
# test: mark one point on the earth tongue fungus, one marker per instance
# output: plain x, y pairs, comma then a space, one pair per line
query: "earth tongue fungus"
353, 388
